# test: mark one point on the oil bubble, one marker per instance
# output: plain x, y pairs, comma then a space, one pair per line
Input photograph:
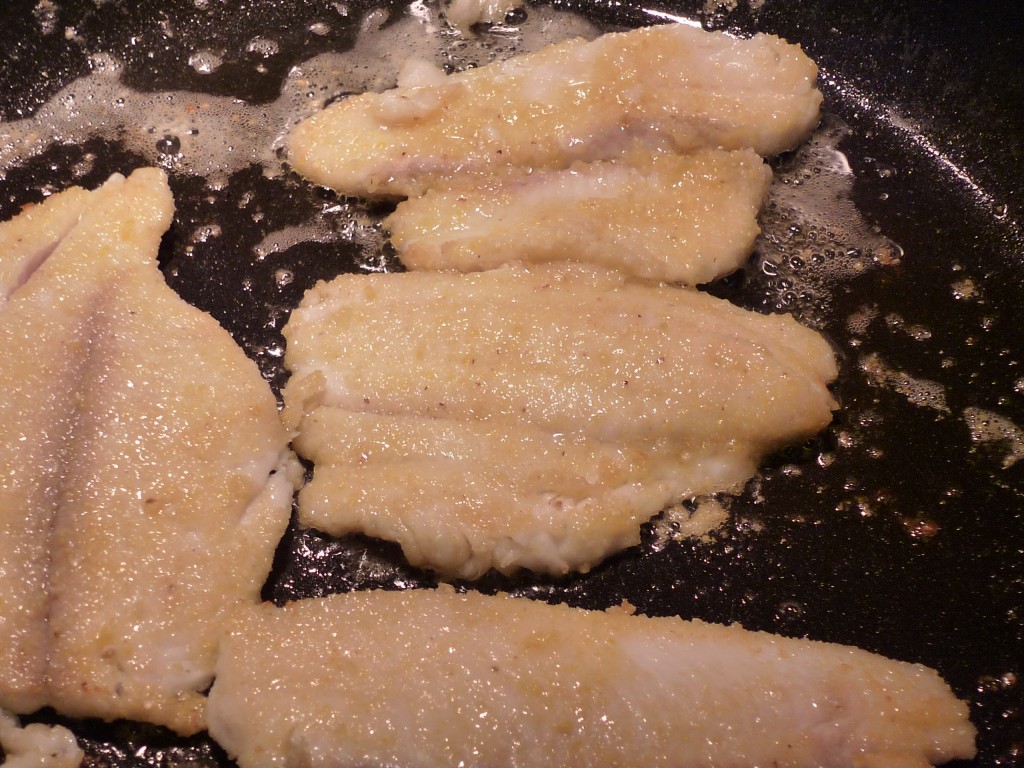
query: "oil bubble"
921, 528
888, 255
169, 145
263, 47
85, 165
206, 232
205, 61
789, 610
516, 16
964, 289
46, 14
283, 277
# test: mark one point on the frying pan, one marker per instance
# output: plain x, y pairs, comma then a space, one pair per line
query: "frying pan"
900, 529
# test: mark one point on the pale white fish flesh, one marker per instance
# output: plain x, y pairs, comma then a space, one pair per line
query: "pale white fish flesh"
653, 393
670, 86
657, 216
149, 474
37, 745
424, 679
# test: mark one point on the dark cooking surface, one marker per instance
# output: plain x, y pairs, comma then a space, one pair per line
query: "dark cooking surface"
909, 543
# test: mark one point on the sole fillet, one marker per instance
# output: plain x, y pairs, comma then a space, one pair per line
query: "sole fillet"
662, 217
670, 87
423, 679
534, 417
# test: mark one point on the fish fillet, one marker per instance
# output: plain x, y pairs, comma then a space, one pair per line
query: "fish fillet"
466, 497
536, 415
149, 478
433, 678
670, 86
657, 216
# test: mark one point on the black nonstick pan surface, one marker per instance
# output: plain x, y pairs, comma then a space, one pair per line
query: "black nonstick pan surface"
900, 529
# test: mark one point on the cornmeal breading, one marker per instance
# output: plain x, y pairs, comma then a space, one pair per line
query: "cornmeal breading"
425, 679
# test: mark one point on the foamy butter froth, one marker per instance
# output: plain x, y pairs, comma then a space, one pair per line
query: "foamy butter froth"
813, 237
186, 132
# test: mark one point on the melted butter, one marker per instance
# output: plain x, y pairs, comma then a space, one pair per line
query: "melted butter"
918, 391
697, 521
813, 237
998, 431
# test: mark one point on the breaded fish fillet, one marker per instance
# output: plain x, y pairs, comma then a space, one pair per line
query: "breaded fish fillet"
657, 216
423, 679
464, 497
538, 415
148, 475
669, 86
